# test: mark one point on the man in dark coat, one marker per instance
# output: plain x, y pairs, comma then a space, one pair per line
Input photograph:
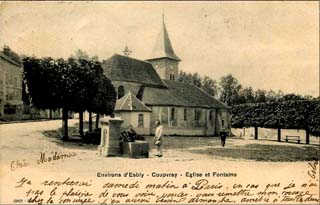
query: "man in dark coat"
223, 135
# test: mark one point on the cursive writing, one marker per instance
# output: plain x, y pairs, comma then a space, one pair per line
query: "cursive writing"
18, 164
312, 172
54, 157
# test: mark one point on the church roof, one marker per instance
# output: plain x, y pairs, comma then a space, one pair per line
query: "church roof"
129, 102
163, 47
181, 94
124, 68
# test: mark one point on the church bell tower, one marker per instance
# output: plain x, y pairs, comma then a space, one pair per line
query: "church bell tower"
163, 58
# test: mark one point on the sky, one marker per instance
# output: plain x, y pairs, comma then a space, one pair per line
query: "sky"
266, 45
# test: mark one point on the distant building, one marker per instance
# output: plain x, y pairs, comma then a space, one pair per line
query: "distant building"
149, 91
11, 105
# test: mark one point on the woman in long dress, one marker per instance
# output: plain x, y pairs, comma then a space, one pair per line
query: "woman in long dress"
159, 138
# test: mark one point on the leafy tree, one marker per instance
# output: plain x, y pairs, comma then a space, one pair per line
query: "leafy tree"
185, 77
291, 96
229, 89
279, 94
49, 84
70, 85
260, 96
105, 98
271, 96
209, 85
249, 95
196, 80
80, 54
293, 114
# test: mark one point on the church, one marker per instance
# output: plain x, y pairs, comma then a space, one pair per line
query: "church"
148, 90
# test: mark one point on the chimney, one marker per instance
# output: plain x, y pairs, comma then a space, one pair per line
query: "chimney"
6, 50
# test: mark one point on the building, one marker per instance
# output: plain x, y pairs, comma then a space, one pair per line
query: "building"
11, 105
153, 86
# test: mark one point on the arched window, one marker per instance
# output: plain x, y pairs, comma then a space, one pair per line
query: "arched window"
171, 76
120, 91
185, 114
140, 120
173, 114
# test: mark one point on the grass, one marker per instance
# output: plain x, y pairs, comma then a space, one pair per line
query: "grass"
261, 152
179, 142
210, 146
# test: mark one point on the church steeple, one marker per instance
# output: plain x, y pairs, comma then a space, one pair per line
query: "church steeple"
163, 57
163, 47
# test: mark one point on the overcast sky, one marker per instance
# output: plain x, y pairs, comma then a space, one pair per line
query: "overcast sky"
268, 45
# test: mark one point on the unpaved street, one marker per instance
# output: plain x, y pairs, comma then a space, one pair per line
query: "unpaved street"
24, 143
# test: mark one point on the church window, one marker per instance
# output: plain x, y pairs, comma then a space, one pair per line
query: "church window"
171, 76
210, 115
222, 123
172, 114
120, 91
140, 120
197, 114
185, 114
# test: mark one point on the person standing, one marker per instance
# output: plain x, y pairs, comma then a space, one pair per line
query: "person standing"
223, 135
158, 138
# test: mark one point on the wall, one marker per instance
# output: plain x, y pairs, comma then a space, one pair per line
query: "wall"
190, 126
165, 67
10, 87
131, 118
222, 115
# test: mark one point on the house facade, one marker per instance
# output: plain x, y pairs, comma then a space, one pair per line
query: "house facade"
11, 105
182, 109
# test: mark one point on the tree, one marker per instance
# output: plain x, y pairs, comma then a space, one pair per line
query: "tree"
80, 54
291, 96
271, 96
293, 114
279, 95
185, 77
49, 84
260, 96
196, 80
229, 89
248, 94
105, 98
71, 85
209, 85
87, 70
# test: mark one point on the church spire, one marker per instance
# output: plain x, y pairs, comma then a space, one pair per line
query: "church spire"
163, 47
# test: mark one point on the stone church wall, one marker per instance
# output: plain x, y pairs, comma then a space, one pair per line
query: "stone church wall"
165, 67
205, 125
131, 118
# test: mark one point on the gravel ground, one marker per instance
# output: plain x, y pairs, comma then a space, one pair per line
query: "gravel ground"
24, 142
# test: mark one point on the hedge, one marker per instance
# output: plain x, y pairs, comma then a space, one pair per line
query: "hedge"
300, 114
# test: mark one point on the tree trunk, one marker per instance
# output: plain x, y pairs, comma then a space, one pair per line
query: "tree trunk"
64, 124
81, 124
50, 114
279, 134
97, 120
307, 136
90, 121
255, 133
